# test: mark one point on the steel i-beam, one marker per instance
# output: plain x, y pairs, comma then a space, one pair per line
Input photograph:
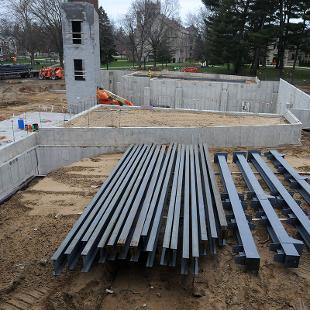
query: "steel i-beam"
297, 216
287, 249
296, 180
248, 254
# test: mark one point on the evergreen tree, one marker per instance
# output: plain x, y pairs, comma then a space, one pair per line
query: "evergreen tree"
241, 31
107, 44
262, 31
226, 31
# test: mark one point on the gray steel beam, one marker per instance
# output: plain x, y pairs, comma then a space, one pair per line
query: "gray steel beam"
296, 215
211, 220
151, 195
287, 249
115, 224
84, 233
186, 216
59, 257
169, 222
219, 210
90, 249
194, 208
204, 240
248, 254
177, 210
145, 180
296, 180
156, 224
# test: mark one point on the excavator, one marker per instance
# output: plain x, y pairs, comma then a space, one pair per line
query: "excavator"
106, 97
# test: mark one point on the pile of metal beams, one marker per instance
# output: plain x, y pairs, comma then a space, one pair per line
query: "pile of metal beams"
159, 199
163, 202
288, 249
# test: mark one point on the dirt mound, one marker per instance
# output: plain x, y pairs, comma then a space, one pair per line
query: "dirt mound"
34, 89
20, 96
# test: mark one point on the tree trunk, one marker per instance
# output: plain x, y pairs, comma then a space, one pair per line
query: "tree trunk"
61, 58
255, 63
296, 56
32, 58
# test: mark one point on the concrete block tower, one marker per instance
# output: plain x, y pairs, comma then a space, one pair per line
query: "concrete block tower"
80, 26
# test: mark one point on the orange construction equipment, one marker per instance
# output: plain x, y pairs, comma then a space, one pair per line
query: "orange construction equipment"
190, 69
51, 73
106, 97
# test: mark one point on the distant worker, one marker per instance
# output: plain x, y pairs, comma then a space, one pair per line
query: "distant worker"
13, 60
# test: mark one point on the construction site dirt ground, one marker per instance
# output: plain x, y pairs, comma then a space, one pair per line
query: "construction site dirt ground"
35, 221
18, 96
115, 117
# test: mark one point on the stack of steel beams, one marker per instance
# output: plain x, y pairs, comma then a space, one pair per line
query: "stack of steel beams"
164, 202
159, 199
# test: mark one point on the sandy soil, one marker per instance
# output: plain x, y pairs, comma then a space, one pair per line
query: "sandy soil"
109, 117
306, 89
18, 96
35, 221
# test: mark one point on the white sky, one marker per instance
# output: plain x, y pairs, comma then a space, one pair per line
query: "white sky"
117, 8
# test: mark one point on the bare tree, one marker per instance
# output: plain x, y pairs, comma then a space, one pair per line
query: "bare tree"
48, 13
136, 24
161, 22
27, 32
147, 26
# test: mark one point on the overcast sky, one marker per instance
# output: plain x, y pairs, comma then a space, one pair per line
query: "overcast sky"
116, 8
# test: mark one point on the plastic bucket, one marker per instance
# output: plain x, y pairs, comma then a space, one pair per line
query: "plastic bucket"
21, 124
35, 127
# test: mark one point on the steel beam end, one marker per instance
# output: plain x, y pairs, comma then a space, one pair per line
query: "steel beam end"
251, 153
235, 155
216, 155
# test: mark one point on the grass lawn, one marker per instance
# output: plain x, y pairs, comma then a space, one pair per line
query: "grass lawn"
39, 62
301, 76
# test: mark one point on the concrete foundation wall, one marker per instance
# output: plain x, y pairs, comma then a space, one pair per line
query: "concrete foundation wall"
202, 95
109, 79
55, 157
290, 97
15, 149
304, 117
16, 171
219, 136
52, 148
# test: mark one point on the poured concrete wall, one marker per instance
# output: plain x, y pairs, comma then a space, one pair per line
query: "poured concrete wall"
17, 170
290, 97
109, 79
304, 117
52, 148
15, 149
254, 97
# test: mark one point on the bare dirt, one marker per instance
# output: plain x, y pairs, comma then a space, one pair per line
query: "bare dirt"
114, 117
35, 221
19, 96
304, 88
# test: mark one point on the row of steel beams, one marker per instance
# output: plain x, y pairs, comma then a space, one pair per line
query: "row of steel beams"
158, 197
248, 253
297, 216
296, 180
164, 202
287, 249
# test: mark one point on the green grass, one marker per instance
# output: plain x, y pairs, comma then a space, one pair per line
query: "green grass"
125, 64
39, 62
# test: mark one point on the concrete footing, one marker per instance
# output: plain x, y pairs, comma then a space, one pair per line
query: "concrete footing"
52, 148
